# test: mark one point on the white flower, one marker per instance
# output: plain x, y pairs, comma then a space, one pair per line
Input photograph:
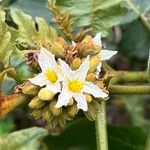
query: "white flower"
50, 75
74, 85
104, 54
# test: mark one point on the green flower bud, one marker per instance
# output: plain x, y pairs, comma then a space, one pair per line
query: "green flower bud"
55, 111
76, 63
91, 77
58, 50
45, 94
92, 110
24, 44
46, 115
30, 89
71, 101
88, 97
37, 113
73, 110
94, 61
100, 84
88, 47
36, 103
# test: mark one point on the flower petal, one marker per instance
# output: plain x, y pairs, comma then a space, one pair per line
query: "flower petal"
81, 101
73, 43
98, 69
46, 60
54, 87
97, 39
83, 69
107, 54
66, 70
63, 98
39, 80
94, 90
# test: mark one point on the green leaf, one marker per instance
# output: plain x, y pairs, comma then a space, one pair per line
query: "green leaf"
126, 138
133, 43
6, 47
101, 15
27, 139
6, 125
32, 7
25, 23
148, 67
8, 85
44, 30
135, 107
5, 3
28, 29
2, 15
78, 134
135, 9
81, 135
24, 71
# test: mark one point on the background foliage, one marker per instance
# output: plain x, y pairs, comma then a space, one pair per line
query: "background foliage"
130, 37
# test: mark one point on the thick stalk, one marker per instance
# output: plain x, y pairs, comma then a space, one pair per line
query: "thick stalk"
127, 89
101, 128
128, 82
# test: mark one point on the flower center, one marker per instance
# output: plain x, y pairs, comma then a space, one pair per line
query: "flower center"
75, 85
51, 75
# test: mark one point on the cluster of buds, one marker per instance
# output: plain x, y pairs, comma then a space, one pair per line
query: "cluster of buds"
68, 80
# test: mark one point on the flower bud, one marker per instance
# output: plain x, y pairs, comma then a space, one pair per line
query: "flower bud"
76, 63
37, 113
88, 47
30, 89
92, 110
54, 110
58, 50
36, 103
91, 77
71, 101
73, 110
45, 94
24, 44
100, 84
88, 97
94, 61
46, 115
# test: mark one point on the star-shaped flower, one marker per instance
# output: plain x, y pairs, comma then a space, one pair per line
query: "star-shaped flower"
104, 54
75, 85
50, 75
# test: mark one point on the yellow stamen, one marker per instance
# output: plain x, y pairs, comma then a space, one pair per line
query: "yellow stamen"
75, 85
51, 75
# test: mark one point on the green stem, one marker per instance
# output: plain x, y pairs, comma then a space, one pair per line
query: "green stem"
101, 131
129, 76
127, 89
129, 82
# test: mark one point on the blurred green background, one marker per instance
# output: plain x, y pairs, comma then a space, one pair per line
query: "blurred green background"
128, 116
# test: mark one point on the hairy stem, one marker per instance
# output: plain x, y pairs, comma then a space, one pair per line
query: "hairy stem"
101, 131
129, 76
128, 82
126, 90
